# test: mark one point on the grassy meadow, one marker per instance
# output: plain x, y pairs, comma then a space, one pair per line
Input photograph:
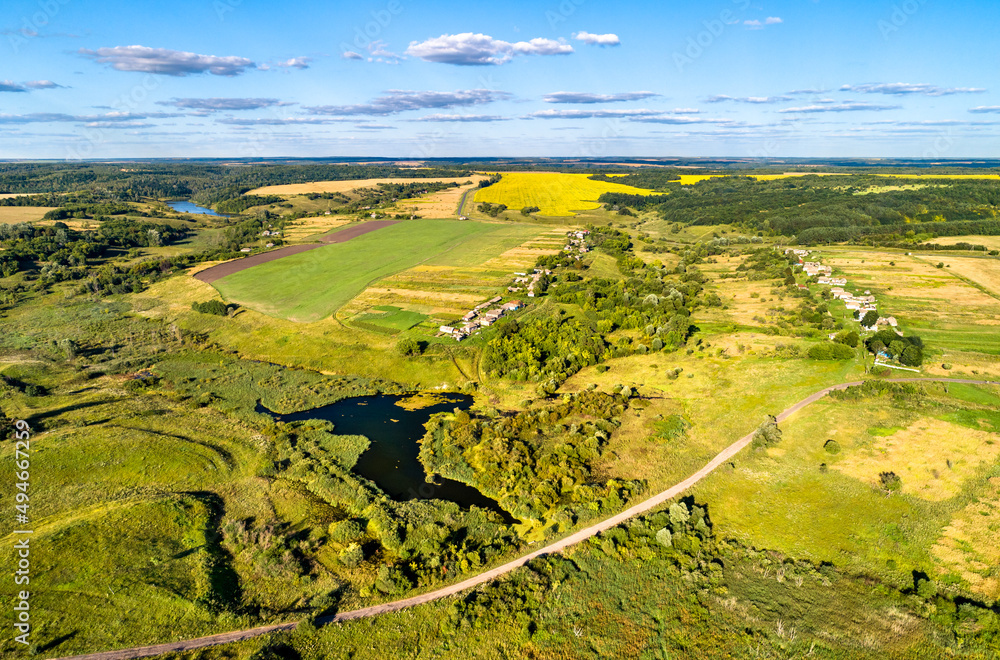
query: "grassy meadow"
14, 214
182, 487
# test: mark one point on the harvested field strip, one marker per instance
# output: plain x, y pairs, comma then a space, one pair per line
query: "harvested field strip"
348, 185
14, 214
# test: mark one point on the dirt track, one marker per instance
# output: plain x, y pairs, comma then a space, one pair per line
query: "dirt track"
558, 546
214, 273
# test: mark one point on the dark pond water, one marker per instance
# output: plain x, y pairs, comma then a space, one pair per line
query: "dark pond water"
391, 459
191, 207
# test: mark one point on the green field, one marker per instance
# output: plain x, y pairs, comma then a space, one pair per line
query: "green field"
556, 194
313, 285
392, 319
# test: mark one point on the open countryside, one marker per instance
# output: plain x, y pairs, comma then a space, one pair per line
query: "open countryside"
500, 331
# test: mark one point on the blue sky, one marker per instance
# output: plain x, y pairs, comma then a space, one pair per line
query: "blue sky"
567, 78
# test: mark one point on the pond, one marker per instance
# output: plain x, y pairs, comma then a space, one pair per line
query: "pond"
391, 460
191, 207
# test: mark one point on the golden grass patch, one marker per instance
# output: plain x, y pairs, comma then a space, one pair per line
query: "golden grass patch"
970, 545
14, 214
347, 186
991, 242
984, 272
299, 230
441, 204
933, 458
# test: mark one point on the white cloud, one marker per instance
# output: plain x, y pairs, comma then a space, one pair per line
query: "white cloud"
280, 121
462, 118
351, 55
400, 100
719, 98
590, 114
469, 49
597, 39
220, 104
847, 106
983, 109
760, 25
11, 86
295, 63
901, 89
586, 97
167, 62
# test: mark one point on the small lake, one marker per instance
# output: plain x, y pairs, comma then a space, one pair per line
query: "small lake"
191, 207
391, 460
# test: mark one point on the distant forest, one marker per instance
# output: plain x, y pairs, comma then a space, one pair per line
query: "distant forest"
206, 184
827, 209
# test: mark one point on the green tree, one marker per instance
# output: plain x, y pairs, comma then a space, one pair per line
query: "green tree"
869, 319
6, 426
848, 338
352, 555
409, 346
768, 434
890, 481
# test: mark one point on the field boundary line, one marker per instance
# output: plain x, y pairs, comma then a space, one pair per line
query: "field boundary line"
487, 576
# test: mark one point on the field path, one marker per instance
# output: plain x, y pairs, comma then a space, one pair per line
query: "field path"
214, 273
558, 546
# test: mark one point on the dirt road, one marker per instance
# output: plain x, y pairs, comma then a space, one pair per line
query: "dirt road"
558, 546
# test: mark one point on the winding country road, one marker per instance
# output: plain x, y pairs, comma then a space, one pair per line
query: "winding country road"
451, 590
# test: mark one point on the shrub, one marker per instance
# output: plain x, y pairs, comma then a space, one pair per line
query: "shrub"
848, 338
216, 307
352, 555
832, 351
346, 531
890, 481
767, 435
832, 446
409, 346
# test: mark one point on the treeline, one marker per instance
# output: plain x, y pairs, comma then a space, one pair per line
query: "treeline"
237, 205
898, 232
388, 193
613, 200
492, 210
838, 204
24, 243
205, 183
78, 210
655, 178
486, 183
